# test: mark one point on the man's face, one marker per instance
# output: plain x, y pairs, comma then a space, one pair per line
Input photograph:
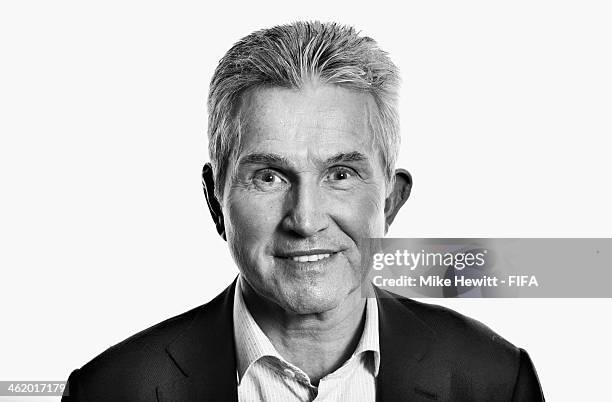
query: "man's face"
307, 185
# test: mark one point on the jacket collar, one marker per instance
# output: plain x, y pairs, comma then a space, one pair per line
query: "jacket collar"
205, 354
405, 341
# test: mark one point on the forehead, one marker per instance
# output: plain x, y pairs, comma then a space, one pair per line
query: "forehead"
317, 119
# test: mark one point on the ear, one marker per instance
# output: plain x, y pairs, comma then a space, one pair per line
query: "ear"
402, 185
208, 182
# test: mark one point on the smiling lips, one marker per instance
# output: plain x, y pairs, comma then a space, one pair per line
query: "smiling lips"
311, 255
309, 258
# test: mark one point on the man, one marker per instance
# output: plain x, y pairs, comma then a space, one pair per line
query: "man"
303, 133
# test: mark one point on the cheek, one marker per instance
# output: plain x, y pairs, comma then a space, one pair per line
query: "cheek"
250, 222
361, 215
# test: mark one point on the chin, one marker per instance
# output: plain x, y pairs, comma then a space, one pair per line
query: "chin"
303, 308
309, 301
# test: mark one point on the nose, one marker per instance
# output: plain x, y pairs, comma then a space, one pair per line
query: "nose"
306, 214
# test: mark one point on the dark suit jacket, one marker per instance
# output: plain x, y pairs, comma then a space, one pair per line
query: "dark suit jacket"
427, 353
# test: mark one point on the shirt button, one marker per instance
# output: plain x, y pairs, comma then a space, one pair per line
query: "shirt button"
289, 373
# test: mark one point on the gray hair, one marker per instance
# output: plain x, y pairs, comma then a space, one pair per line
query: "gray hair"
289, 56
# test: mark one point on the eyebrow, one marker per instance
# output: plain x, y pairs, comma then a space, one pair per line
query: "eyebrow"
264, 159
279, 160
347, 157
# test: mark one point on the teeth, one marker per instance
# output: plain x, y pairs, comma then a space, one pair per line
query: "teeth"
310, 258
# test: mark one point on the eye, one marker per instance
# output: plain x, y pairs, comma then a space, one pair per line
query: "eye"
268, 179
340, 173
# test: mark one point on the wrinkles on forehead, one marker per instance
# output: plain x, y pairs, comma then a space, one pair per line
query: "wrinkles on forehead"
321, 115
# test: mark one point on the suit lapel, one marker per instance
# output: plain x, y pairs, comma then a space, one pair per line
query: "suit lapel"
405, 339
205, 355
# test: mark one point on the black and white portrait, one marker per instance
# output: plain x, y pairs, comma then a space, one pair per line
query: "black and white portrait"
190, 190
303, 137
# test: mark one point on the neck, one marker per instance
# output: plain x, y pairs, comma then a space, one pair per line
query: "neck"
317, 343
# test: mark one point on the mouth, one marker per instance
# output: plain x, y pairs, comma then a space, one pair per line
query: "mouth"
309, 258
308, 255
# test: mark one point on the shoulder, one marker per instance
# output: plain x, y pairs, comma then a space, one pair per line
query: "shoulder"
475, 359
463, 337
453, 327
145, 347
134, 367
466, 355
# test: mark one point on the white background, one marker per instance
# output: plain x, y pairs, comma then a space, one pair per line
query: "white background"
103, 225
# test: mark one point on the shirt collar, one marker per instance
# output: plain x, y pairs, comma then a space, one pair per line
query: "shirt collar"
369, 337
252, 344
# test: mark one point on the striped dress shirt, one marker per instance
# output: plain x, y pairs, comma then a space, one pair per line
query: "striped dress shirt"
264, 375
